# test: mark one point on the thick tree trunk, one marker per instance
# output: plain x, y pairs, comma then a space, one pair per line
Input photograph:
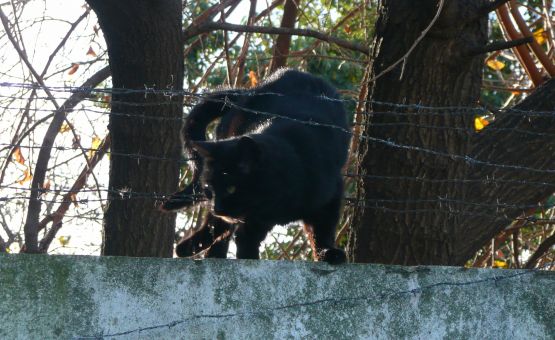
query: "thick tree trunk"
427, 196
146, 52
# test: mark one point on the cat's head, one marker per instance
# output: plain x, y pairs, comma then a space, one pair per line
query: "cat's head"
231, 172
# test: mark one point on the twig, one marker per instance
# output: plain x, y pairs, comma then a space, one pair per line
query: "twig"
238, 68
213, 26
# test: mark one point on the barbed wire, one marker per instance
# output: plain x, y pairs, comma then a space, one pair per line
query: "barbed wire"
412, 108
443, 204
348, 302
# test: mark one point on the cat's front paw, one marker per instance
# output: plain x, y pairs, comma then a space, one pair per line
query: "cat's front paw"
332, 256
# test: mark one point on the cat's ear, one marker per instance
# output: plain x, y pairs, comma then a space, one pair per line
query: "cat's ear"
249, 154
205, 149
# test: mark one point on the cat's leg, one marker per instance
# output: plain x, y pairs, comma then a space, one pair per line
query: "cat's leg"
320, 229
211, 229
221, 233
248, 238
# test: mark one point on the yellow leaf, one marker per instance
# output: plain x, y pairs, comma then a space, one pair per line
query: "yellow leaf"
26, 177
91, 52
500, 264
73, 69
64, 240
252, 78
65, 128
17, 156
495, 64
480, 123
540, 36
94, 146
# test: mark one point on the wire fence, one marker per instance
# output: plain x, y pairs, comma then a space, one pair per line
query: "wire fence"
100, 102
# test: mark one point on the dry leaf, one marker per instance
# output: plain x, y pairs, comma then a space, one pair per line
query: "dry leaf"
65, 128
94, 146
91, 52
17, 156
500, 264
253, 81
495, 64
73, 69
480, 123
64, 240
26, 177
347, 29
540, 36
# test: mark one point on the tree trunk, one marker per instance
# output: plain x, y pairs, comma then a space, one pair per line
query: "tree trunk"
145, 50
427, 193
283, 41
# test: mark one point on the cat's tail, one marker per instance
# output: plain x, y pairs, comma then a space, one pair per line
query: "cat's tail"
214, 106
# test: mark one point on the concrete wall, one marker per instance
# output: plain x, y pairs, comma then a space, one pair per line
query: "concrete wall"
73, 297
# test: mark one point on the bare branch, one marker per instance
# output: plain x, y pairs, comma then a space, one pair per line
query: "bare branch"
522, 53
212, 26
499, 45
57, 216
283, 41
542, 249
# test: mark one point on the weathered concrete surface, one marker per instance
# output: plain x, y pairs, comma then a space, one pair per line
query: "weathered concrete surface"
73, 297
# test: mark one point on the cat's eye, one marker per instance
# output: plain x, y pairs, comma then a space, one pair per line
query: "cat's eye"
231, 189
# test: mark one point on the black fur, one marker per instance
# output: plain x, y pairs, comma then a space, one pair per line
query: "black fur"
275, 160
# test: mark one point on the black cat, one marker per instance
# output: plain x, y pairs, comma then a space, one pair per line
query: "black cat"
277, 158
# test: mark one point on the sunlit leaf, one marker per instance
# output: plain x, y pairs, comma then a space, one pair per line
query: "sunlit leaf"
26, 177
17, 156
495, 64
65, 128
91, 52
94, 146
73, 69
540, 36
253, 80
500, 264
64, 240
480, 123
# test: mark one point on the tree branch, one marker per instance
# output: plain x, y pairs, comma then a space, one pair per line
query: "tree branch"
213, 26
283, 41
499, 45
57, 216
490, 7
542, 249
